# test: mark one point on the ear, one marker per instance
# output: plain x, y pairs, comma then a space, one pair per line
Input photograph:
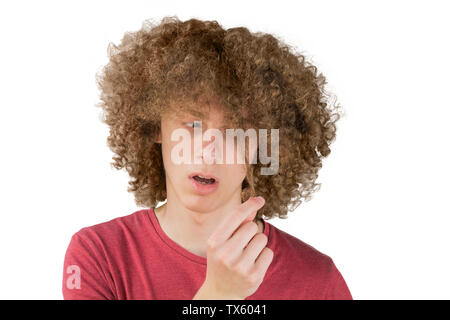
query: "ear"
157, 135
158, 138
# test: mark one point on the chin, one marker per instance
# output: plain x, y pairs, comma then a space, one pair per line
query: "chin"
200, 203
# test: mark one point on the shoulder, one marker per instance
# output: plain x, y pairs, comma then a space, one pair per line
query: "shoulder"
115, 230
301, 255
312, 268
298, 248
93, 254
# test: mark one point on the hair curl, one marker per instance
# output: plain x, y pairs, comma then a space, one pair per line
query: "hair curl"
259, 80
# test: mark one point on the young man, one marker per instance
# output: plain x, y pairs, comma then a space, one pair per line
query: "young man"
208, 241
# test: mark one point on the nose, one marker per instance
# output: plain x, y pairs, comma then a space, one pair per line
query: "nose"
209, 151
208, 145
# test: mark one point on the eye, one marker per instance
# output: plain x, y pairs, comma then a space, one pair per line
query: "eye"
193, 124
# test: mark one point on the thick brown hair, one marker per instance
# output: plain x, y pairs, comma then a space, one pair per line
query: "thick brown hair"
259, 81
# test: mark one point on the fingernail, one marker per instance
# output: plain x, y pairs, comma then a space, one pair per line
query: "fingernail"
260, 200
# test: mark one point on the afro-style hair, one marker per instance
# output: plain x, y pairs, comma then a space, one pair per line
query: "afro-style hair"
258, 80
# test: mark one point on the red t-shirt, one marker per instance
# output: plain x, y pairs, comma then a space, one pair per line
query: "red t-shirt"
131, 257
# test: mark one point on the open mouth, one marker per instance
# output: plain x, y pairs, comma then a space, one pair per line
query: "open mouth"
203, 180
203, 183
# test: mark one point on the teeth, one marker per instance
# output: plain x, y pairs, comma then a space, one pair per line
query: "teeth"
204, 180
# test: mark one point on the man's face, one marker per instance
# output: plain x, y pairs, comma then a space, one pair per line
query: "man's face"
183, 179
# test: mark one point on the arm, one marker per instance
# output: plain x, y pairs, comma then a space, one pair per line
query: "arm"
337, 288
84, 274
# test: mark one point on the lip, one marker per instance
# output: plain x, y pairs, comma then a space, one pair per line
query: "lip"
203, 189
205, 175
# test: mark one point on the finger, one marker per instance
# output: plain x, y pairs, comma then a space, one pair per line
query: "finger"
254, 248
263, 261
239, 240
231, 223
249, 218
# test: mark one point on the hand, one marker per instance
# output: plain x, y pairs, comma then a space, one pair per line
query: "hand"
237, 256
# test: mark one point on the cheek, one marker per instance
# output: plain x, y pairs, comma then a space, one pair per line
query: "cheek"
166, 147
234, 174
232, 151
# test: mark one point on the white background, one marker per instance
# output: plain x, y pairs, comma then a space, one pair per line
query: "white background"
381, 213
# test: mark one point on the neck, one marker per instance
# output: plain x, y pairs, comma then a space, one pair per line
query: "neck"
190, 228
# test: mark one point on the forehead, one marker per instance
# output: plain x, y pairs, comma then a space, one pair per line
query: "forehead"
207, 105
199, 110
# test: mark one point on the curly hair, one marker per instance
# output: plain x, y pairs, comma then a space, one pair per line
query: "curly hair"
259, 81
